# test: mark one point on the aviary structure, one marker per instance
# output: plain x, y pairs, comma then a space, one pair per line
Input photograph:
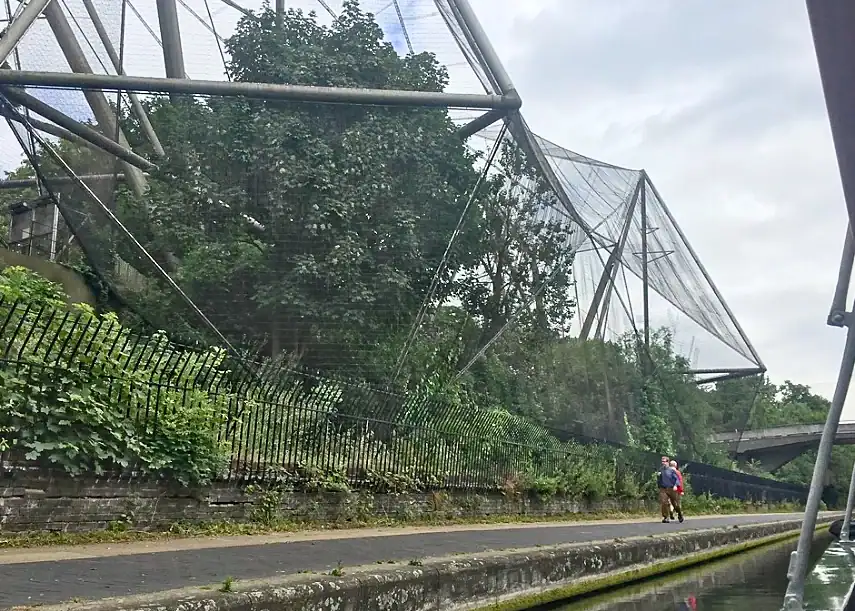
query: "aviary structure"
85, 75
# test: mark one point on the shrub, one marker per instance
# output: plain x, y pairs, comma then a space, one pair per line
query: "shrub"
81, 391
71, 393
545, 487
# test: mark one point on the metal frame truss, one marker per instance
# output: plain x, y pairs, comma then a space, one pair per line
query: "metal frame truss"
500, 102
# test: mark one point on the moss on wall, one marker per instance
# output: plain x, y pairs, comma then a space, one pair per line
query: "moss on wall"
613, 580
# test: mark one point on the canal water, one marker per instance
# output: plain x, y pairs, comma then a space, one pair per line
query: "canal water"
752, 581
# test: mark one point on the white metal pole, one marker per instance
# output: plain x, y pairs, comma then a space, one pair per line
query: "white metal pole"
19, 27
793, 599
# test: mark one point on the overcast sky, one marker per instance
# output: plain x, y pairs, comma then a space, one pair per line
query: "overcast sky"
719, 101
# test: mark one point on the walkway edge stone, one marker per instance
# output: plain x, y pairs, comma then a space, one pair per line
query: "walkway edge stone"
510, 580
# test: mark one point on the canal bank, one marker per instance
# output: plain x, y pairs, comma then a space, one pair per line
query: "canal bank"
755, 580
506, 580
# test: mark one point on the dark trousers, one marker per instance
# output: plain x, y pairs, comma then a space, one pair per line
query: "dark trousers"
668, 497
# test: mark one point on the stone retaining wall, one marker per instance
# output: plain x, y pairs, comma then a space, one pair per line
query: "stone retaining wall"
504, 581
38, 499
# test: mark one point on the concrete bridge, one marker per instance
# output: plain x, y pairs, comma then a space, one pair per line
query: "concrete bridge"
775, 447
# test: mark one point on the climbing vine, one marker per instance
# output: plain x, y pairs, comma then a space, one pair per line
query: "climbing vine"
84, 410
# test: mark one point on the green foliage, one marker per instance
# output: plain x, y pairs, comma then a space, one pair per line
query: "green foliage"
545, 487
83, 409
520, 255
86, 411
267, 504
355, 203
705, 503
4, 438
20, 284
313, 232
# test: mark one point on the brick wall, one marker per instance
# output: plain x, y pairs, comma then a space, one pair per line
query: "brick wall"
38, 499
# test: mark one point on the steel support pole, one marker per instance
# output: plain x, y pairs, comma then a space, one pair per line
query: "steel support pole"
525, 139
451, 17
484, 46
24, 183
793, 600
89, 134
723, 370
837, 313
170, 34
479, 123
499, 78
736, 375
20, 26
97, 100
280, 12
261, 91
61, 132
645, 279
607, 300
244, 11
136, 105
607, 277
846, 531
831, 23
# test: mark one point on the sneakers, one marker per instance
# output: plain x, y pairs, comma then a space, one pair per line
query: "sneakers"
672, 515
666, 521
681, 518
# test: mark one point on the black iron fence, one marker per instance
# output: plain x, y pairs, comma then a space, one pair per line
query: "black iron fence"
84, 392
733, 484
709, 479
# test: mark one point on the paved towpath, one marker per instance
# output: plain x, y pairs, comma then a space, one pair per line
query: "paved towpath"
55, 575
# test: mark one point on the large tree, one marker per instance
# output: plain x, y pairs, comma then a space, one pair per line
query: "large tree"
520, 263
315, 231
318, 227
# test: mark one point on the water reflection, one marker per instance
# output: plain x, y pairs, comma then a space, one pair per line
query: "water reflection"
829, 583
753, 581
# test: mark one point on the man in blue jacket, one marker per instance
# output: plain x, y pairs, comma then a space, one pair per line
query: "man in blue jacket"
668, 481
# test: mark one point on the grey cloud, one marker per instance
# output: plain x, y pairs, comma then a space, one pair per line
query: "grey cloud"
671, 39
798, 330
721, 103
747, 106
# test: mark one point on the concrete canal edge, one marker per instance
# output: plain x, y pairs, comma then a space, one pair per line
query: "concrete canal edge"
510, 580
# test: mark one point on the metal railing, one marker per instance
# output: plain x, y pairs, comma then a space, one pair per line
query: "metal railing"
269, 419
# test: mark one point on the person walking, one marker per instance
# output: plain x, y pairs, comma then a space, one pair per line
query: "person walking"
667, 480
673, 464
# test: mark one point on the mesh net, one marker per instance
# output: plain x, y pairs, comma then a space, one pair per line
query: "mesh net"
372, 243
133, 31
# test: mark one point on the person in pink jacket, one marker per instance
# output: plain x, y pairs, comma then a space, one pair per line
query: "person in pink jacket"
679, 483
